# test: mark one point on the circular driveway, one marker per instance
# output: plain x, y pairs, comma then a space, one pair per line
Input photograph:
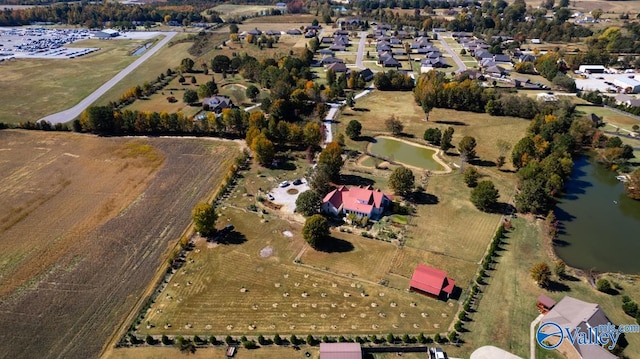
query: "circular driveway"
288, 201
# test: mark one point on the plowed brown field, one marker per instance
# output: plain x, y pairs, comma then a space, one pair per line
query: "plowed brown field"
85, 222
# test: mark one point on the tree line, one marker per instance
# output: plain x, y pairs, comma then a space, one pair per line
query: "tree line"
96, 15
433, 89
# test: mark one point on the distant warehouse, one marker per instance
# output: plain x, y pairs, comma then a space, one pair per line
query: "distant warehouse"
591, 69
628, 85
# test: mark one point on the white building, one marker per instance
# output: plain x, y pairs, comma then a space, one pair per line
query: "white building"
592, 69
628, 85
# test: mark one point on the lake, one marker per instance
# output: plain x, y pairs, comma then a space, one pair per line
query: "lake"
405, 153
599, 224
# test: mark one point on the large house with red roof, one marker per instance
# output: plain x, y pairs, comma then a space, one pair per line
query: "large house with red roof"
431, 281
361, 201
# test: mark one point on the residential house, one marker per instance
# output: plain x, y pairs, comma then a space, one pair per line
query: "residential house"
627, 100
217, 103
336, 47
330, 60
361, 201
501, 58
431, 281
294, 32
574, 315
526, 58
337, 67
367, 75
327, 52
255, 32
326, 40
273, 33
495, 70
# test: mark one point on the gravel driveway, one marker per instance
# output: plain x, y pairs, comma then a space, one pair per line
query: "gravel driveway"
288, 201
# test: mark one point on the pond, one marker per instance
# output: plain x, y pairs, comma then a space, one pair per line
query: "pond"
142, 49
405, 153
598, 223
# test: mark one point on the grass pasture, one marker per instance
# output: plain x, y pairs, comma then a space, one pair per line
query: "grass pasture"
78, 243
373, 109
228, 11
165, 58
507, 305
46, 86
282, 297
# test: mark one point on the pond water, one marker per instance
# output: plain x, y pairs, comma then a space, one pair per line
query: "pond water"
599, 224
405, 153
142, 49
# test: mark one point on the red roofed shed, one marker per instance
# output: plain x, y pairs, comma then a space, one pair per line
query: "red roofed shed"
431, 281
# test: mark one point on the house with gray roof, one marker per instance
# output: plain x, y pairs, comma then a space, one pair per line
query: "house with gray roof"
217, 103
579, 316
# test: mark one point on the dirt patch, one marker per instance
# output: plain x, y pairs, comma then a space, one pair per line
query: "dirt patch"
292, 191
266, 252
93, 230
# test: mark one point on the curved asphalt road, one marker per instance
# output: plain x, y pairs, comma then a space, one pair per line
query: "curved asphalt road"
75, 111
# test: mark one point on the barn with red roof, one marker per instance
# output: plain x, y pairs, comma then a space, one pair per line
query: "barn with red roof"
361, 201
429, 280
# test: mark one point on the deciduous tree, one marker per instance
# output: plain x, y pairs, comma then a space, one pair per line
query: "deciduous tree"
331, 159
315, 230
204, 218
485, 196
467, 147
308, 203
541, 274
445, 141
263, 150
190, 96
433, 135
402, 181
353, 129
394, 125
471, 176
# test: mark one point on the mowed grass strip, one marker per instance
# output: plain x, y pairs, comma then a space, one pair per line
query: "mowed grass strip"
347, 261
206, 296
46, 86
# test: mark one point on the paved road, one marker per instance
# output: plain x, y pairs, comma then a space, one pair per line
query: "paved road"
75, 111
456, 58
328, 137
360, 54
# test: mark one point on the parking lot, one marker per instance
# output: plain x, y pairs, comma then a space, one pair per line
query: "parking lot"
288, 201
51, 43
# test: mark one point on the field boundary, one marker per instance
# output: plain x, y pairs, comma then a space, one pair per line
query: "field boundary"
160, 274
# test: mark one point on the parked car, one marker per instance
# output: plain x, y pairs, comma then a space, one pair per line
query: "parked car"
284, 183
297, 182
270, 197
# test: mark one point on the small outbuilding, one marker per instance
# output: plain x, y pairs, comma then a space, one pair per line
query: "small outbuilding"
431, 281
545, 304
340, 351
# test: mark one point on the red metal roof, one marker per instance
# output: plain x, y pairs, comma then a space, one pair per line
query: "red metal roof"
431, 280
357, 199
546, 301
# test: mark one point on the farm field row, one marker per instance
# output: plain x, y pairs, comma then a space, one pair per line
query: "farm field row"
101, 214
